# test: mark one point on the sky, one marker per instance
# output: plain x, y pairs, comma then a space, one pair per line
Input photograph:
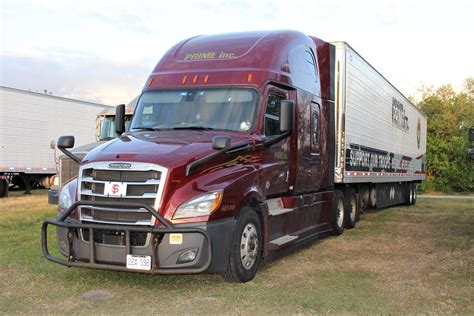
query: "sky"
103, 51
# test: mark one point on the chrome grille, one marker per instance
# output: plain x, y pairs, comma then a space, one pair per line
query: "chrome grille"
68, 169
144, 183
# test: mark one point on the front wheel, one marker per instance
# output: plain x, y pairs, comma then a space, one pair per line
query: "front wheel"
246, 248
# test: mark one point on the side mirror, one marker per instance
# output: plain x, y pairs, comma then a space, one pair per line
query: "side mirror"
287, 116
66, 141
220, 142
120, 119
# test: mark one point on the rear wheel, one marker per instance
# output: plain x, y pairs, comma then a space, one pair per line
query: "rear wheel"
351, 212
414, 193
338, 213
373, 197
246, 248
409, 194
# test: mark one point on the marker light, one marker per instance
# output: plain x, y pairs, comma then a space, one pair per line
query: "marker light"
185, 78
206, 78
195, 79
249, 78
150, 81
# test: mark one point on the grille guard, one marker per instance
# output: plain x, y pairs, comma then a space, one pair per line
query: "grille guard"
92, 264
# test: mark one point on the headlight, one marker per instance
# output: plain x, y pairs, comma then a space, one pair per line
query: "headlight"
65, 200
202, 205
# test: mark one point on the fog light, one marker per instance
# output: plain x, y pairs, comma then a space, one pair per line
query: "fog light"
188, 256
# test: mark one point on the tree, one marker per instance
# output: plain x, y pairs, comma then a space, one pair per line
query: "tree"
450, 114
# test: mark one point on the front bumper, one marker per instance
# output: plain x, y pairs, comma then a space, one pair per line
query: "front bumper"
211, 239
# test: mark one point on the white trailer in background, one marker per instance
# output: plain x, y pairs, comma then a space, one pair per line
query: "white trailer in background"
380, 134
29, 121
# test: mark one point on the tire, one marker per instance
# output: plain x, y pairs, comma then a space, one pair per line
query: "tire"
246, 248
373, 197
408, 194
414, 193
351, 208
338, 211
3, 187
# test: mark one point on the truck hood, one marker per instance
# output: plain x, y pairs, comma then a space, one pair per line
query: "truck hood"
169, 149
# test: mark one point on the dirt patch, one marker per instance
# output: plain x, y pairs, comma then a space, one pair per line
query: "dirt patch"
96, 295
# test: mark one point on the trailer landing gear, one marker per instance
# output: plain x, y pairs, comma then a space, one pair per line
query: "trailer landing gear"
27, 181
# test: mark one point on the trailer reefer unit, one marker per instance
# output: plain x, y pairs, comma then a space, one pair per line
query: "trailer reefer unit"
241, 145
29, 121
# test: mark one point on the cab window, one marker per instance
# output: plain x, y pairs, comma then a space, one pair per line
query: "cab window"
315, 128
272, 115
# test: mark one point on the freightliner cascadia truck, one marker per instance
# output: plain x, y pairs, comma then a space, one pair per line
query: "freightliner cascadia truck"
241, 145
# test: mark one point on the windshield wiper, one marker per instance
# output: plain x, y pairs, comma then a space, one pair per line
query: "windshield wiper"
147, 128
194, 127
106, 138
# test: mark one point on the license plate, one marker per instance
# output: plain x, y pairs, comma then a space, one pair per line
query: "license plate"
137, 262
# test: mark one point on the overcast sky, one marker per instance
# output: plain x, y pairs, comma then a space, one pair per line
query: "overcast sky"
103, 51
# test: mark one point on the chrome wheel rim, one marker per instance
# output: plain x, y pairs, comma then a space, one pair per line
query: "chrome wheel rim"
340, 213
249, 246
353, 209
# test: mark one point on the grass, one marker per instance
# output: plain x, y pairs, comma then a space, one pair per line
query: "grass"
399, 260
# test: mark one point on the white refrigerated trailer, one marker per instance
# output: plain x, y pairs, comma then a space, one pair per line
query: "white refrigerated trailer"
29, 121
380, 134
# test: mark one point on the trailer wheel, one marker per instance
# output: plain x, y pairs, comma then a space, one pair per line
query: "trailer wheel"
373, 197
3, 188
351, 208
408, 194
246, 247
338, 211
414, 193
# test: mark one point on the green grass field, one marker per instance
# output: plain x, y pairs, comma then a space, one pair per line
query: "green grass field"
416, 259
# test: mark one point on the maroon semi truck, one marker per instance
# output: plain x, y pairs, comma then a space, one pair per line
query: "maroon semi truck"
241, 145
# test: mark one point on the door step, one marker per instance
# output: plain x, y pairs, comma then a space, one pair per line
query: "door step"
276, 207
281, 241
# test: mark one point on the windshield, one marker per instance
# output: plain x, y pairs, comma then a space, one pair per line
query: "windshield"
108, 127
224, 109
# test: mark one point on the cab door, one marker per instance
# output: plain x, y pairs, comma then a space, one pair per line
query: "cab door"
276, 157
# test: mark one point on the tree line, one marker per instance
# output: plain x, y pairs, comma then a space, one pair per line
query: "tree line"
450, 114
